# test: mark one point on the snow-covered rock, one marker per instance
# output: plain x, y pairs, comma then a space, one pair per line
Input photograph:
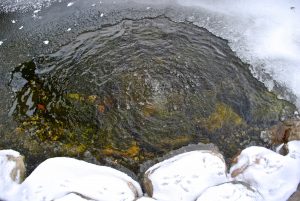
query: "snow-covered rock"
145, 199
63, 179
185, 176
231, 191
294, 149
12, 170
275, 176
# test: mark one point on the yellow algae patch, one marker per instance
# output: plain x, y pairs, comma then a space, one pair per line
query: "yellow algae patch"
131, 152
75, 96
222, 115
92, 98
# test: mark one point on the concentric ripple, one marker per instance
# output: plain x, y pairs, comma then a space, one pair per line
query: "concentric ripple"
138, 88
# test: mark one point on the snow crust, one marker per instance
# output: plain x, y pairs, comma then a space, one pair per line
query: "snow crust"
7, 184
265, 33
230, 192
185, 176
64, 178
275, 176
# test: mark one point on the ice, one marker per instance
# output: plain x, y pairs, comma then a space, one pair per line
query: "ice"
264, 33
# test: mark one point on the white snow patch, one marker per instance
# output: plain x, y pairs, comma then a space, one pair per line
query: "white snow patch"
13, 21
69, 29
102, 14
184, 177
229, 192
46, 42
58, 178
7, 184
146, 199
294, 149
275, 176
21, 27
1, 42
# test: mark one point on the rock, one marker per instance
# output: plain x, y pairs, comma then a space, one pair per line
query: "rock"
12, 170
185, 176
230, 191
284, 132
275, 176
296, 195
65, 178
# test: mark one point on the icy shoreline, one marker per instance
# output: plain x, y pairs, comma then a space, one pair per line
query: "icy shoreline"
199, 174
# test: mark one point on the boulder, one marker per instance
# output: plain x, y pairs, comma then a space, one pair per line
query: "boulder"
275, 176
185, 176
230, 191
65, 178
12, 170
283, 132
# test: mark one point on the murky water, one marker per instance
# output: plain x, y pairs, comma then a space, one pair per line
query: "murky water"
139, 88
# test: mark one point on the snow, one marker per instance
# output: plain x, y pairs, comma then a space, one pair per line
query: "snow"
71, 197
230, 192
185, 176
294, 149
55, 178
265, 33
275, 176
146, 199
70, 4
46, 42
7, 165
21, 27
1, 42
101, 15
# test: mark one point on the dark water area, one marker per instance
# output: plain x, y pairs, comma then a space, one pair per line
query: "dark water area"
127, 90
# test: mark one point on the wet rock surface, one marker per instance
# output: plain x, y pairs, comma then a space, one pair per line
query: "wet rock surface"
125, 87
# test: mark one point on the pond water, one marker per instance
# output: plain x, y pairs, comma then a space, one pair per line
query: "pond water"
132, 90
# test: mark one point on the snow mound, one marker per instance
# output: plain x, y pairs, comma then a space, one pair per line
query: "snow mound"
275, 176
185, 176
230, 192
63, 178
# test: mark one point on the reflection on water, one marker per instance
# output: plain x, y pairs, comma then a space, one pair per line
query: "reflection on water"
139, 88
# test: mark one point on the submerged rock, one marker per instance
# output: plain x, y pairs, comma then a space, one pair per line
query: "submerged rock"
275, 176
12, 170
185, 176
231, 191
66, 178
